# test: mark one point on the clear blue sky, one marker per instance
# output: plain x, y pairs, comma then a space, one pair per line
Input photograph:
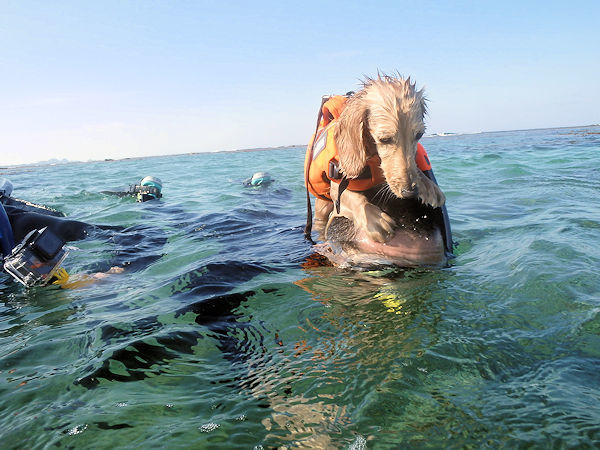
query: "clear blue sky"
111, 79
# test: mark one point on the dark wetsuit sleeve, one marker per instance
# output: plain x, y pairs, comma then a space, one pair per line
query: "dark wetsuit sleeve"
449, 244
23, 222
117, 193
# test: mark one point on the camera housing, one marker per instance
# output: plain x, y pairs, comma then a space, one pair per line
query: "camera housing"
35, 260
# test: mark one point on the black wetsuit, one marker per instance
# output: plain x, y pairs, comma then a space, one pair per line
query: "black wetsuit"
134, 247
25, 217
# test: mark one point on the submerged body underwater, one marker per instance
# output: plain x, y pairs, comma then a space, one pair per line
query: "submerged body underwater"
225, 331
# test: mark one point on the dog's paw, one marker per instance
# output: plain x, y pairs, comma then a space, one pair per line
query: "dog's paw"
431, 194
378, 225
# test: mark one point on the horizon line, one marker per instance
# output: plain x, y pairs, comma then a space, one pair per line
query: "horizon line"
55, 161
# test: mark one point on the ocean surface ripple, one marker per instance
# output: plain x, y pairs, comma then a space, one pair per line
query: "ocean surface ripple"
223, 333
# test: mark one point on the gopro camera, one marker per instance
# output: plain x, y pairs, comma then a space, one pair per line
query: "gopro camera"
35, 260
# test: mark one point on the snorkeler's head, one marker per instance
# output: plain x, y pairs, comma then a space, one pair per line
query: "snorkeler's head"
150, 189
260, 178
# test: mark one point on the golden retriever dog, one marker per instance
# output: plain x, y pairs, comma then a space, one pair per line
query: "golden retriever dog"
385, 118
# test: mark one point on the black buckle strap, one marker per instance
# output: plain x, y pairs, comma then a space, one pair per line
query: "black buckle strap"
334, 172
343, 185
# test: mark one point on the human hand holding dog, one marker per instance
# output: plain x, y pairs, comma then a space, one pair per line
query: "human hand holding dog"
378, 225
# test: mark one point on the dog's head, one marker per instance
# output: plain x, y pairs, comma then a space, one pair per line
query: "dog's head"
386, 118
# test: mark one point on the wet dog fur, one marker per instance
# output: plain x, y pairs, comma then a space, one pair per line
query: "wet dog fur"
385, 118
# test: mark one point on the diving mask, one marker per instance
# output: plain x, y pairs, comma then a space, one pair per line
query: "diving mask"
149, 189
37, 258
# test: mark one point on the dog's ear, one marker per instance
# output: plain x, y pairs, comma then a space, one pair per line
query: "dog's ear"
353, 139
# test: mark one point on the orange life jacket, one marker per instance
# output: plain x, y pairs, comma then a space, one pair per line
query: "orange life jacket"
332, 109
322, 167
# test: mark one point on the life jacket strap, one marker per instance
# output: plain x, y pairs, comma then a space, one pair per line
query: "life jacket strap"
343, 185
308, 227
334, 172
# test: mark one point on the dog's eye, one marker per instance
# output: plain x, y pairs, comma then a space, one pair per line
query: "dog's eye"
386, 140
419, 136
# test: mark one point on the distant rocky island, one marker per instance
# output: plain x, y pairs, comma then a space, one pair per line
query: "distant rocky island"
582, 129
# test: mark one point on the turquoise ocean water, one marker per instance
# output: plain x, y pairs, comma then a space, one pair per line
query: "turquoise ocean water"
219, 335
